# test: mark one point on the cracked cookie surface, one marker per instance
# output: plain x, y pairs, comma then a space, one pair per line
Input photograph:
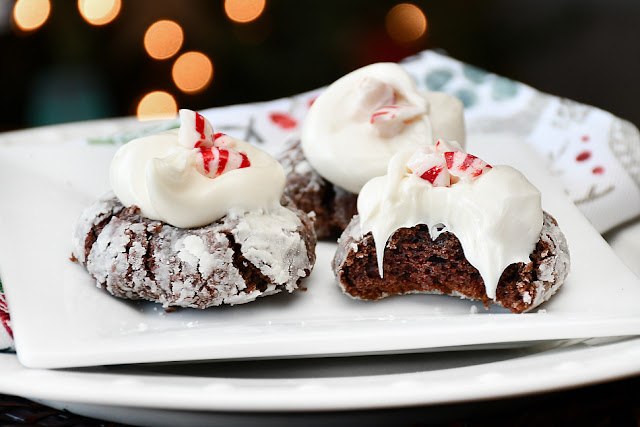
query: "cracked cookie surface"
332, 206
231, 261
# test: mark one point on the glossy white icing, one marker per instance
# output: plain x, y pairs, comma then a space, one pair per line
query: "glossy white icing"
497, 216
356, 125
165, 180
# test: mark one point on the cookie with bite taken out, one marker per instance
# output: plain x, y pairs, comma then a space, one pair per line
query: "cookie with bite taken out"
443, 221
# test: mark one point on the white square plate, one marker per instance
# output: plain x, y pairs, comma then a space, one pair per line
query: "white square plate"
61, 319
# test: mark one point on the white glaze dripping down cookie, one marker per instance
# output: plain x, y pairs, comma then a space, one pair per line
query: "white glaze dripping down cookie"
495, 212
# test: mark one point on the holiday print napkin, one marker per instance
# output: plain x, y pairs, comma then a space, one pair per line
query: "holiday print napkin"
6, 336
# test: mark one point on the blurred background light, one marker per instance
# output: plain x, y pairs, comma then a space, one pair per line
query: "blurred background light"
192, 72
163, 39
58, 68
406, 23
99, 12
157, 105
243, 11
30, 15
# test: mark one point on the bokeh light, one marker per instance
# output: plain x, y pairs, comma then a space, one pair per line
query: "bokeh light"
192, 72
99, 12
406, 23
244, 11
30, 15
163, 39
157, 105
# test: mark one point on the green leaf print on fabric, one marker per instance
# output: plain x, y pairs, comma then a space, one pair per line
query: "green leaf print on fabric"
474, 74
467, 96
503, 89
437, 79
126, 137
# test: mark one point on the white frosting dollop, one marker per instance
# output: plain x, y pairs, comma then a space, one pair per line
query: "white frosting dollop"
362, 119
161, 177
497, 216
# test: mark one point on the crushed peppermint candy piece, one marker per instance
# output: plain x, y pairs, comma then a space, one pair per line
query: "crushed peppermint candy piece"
442, 168
373, 94
443, 146
5, 318
214, 161
380, 104
215, 157
195, 131
464, 165
430, 166
390, 119
221, 139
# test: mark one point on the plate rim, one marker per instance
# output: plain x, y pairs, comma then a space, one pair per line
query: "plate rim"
564, 369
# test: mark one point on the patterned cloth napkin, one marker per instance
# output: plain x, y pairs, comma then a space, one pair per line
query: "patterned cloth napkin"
6, 336
594, 155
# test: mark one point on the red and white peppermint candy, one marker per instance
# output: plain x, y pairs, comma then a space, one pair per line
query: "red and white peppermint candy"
4, 315
378, 102
215, 157
214, 161
221, 139
430, 166
195, 131
443, 146
444, 168
390, 119
465, 166
373, 94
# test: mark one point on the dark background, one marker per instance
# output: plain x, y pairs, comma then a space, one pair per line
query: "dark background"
68, 70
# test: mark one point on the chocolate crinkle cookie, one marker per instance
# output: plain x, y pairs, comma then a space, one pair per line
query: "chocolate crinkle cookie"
231, 261
414, 263
332, 206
